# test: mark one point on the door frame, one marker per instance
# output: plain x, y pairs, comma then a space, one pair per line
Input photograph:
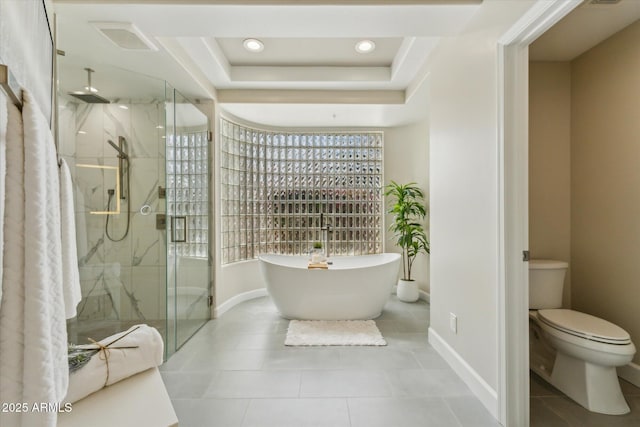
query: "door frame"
513, 183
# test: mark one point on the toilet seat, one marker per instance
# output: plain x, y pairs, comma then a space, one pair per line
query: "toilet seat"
584, 326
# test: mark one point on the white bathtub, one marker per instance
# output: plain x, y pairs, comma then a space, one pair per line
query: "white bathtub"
354, 287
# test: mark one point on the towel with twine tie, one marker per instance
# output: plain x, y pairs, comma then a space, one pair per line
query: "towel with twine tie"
138, 349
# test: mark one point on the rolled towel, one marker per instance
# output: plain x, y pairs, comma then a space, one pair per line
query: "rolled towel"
318, 266
113, 363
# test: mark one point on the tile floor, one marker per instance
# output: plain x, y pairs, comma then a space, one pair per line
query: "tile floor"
236, 371
550, 408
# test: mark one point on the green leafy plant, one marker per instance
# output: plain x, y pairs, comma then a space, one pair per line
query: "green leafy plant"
317, 245
408, 210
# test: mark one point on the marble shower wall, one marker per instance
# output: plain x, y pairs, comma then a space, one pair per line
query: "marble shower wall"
120, 280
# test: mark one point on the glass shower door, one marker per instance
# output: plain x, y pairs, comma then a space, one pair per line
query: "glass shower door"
188, 261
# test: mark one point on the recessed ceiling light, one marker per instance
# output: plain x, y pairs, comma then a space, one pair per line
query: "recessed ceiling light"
81, 132
253, 45
124, 107
159, 127
365, 46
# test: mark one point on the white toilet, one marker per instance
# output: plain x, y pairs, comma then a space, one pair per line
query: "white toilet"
575, 352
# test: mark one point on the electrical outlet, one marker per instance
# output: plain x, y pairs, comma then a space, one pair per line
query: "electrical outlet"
453, 323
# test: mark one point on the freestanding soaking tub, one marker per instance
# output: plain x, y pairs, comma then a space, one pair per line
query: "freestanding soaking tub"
353, 288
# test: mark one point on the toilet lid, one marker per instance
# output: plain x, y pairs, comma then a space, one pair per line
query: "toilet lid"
585, 326
547, 264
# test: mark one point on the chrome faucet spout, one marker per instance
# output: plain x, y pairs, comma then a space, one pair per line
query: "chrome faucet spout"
326, 229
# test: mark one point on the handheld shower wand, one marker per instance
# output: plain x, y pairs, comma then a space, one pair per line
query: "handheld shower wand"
122, 157
123, 173
121, 153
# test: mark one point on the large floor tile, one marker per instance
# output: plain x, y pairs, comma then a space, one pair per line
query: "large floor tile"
427, 382
395, 314
407, 340
176, 361
269, 341
303, 358
412, 325
255, 384
401, 412
470, 412
629, 389
184, 385
540, 388
429, 358
228, 360
344, 383
550, 406
253, 326
377, 358
543, 416
236, 371
577, 416
422, 315
297, 413
386, 326
210, 412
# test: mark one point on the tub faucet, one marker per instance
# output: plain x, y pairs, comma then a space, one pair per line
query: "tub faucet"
326, 229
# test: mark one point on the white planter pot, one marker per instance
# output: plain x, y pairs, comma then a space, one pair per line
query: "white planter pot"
317, 257
408, 290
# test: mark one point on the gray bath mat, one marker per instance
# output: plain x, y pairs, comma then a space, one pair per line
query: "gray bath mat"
333, 332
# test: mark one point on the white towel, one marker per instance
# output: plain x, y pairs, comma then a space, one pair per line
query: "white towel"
33, 335
70, 273
123, 363
11, 307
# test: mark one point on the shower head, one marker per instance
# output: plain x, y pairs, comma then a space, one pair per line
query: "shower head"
121, 153
89, 96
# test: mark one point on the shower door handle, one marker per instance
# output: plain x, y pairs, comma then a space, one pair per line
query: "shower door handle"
175, 222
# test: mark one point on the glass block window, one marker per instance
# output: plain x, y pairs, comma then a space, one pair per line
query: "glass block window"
277, 186
187, 193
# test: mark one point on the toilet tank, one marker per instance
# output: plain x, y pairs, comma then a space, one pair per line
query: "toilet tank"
546, 281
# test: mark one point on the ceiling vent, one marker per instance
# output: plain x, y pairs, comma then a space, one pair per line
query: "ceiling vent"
125, 35
606, 2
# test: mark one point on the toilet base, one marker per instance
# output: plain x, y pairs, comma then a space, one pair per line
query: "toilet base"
595, 387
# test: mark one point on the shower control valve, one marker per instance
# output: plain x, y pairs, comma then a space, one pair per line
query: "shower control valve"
161, 221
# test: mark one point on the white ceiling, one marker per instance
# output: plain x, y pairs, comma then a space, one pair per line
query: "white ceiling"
586, 26
311, 51
309, 73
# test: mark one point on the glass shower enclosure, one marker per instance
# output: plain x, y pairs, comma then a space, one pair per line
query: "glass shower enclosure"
139, 158
187, 178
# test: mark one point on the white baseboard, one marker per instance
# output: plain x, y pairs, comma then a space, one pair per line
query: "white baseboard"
631, 373
424, 295
483, 391
237, 299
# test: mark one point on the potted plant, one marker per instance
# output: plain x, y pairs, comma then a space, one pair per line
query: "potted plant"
408, 210
317, 255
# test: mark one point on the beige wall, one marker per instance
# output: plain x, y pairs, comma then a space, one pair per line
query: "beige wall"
549, 164
464, 171
595, 220
605, 181
406, 159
